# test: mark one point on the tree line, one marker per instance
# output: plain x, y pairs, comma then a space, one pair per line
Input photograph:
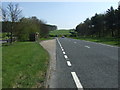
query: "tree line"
21, 28
101, 25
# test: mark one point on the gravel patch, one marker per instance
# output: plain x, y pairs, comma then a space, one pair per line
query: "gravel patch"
50, 46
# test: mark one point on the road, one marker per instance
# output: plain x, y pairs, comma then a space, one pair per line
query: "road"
83, 64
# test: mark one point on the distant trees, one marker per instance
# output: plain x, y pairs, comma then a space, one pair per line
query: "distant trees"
101, 25
10, 16
21, 27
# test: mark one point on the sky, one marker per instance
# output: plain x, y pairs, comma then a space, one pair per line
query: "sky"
65, 15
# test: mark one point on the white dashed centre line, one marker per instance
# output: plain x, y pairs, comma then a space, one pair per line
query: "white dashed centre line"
77, 81
69, 63
87, 46
63, 52
66, 57
75, 42
62, 49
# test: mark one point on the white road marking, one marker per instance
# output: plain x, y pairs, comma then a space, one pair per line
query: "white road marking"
60, 45
66, 57
63, 52
77, 81
101, 44
75, 42
59, 42
106, 45
87, 46
62, 49
69, 63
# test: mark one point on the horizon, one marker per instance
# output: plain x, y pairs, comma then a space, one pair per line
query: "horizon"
65, 15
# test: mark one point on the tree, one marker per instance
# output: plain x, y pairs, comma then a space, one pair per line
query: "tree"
110, 20
27, 26
4, 15
14, 14
101, 25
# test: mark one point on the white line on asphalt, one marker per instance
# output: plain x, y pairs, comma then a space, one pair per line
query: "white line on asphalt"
77, 81
59, 42
66, 57
63, 52
75, 42
87, 46
100, 44
106, 45
60, 45
62, 49
69, 63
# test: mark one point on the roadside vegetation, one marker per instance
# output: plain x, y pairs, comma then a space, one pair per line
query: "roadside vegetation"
48, 38
24, 61
24, 65
21, 28
60, 33
0, 67
103, 28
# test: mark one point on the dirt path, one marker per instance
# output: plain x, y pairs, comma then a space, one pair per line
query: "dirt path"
50, 46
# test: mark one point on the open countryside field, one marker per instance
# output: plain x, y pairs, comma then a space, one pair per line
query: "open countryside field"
0, 67
60, 32
24, 65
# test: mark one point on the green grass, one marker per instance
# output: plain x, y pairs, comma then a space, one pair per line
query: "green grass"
49, 38
3, 36
0, 67
60, 32
0, 34
109, 41
24, 65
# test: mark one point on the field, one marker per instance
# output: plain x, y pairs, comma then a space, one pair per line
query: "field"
0, 67
24, 65
60, 32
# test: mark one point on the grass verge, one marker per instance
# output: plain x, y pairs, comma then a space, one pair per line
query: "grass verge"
109, 41
0, 67
49, 38
60, 32
24, 65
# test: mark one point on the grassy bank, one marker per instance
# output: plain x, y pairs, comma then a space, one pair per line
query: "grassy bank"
0, 67
24, 65
48, 38
109, 41
60, 32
